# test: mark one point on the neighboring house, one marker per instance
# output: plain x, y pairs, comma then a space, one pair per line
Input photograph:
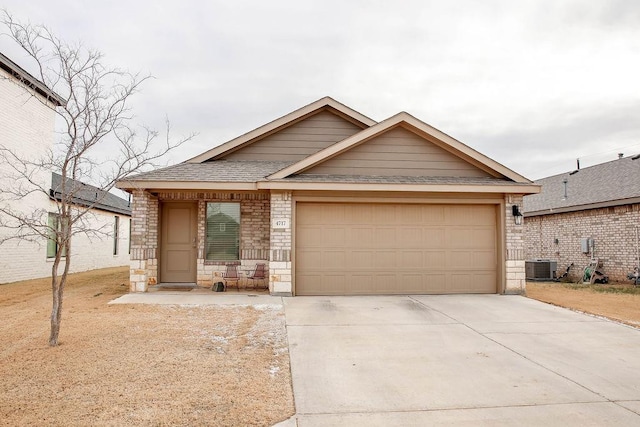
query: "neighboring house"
600, 203
27, 122
335, 204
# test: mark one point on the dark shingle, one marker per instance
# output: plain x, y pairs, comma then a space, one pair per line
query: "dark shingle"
84, 194
215, 171
614, 181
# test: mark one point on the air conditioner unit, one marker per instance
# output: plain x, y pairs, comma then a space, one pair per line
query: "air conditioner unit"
540, 269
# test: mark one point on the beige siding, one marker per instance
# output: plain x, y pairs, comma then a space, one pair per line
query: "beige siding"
363, 248
299, 140
397, 152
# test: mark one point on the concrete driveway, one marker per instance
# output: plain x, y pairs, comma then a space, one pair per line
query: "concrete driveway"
464, 360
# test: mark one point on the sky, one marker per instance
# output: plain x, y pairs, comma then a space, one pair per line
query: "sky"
534, 85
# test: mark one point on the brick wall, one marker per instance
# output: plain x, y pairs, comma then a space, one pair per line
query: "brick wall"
254, 234
144, 241
514, 238
280, 272
613, 230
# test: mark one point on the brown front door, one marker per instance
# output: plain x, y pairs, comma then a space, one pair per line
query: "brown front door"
178, 247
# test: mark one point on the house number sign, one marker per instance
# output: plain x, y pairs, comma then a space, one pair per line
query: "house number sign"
280, 223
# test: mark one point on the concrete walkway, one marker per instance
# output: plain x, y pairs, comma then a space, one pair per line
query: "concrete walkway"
197, 297
463, 360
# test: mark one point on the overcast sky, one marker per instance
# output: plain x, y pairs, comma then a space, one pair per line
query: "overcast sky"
532, 84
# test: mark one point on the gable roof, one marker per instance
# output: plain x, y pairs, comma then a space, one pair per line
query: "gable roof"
28, 80
219, 169
406, 120
613, 183
88, 195
283, 122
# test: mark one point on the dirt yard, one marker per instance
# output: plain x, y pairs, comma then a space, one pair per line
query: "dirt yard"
138, 365
619, 302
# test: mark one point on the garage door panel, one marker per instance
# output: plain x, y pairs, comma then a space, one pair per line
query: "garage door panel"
411, 237
411, 259
459, 260
332, 260
360, 259
383, 214
360, 283
434, 237
385, 260
460, 282
308, 259
360, 248
482, 259
385, 283
434, 259
436, 283
363, 235
482, 236
333, 237
313, 235
412, 215
433, 214
385, 237
333, 284
411, 283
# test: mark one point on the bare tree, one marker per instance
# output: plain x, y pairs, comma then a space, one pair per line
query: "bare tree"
98, 144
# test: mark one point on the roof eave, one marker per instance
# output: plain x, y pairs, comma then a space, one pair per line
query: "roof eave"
130, 186
26, 78
435, 188
577, 208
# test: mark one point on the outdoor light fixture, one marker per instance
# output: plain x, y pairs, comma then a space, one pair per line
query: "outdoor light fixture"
517, 215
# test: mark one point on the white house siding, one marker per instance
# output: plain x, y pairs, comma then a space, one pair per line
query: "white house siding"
27, 128
23, 260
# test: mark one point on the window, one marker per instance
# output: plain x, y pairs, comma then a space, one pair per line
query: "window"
116, 230
223, 231
55, 227
130, 222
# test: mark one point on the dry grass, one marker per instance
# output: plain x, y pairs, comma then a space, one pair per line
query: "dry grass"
619, 302
138, 365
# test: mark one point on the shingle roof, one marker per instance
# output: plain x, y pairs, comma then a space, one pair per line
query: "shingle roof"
214, 171
612, 183
85, 194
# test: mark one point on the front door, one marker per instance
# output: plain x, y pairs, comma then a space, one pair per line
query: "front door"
178, 243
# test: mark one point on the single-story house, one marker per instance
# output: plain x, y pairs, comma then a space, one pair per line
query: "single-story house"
336, 203
592, 212
27, 124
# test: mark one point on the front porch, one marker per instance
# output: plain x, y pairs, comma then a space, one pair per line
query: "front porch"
208, 231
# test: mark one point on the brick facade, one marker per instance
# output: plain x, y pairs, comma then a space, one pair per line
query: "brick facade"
558, 237
280, 267
254, 234
144, 241
514, 250
263, 241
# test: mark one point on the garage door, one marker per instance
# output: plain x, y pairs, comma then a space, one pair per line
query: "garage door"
357, 248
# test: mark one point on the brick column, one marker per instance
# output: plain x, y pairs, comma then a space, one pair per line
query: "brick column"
514, 260
144, 241
280, 279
